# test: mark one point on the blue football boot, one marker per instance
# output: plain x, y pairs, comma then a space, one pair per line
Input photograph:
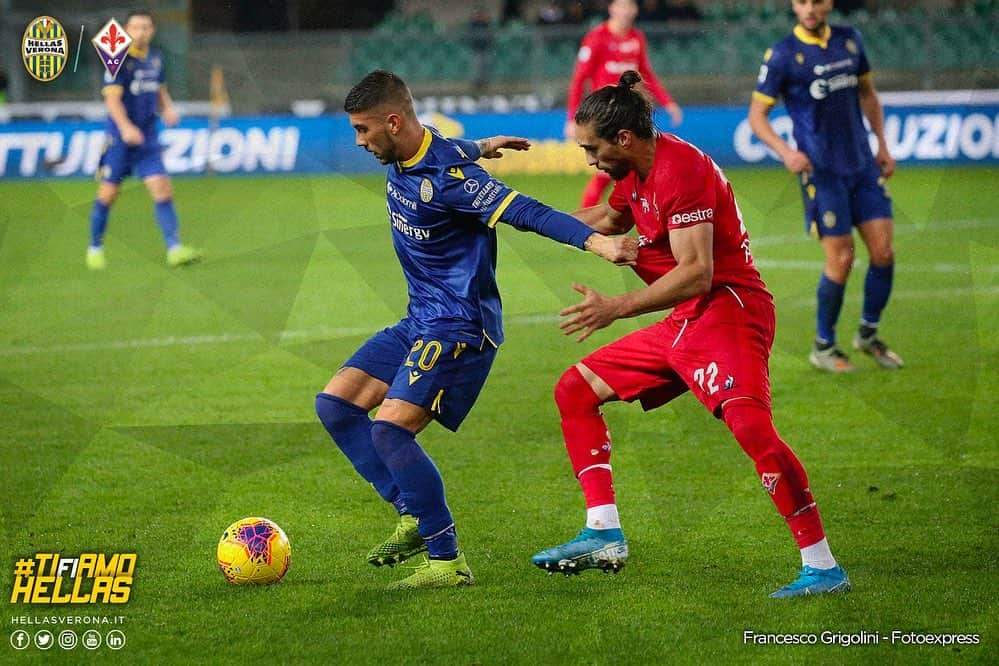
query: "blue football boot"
592, 549
815, 581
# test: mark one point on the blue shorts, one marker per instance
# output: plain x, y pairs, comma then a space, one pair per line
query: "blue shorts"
442, 376
120, 159
835, 204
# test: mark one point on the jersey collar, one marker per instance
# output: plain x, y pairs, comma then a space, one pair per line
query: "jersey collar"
136, 52
803, 36
421, 153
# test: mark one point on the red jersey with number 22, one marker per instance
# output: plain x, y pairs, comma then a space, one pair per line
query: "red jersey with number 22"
685, 188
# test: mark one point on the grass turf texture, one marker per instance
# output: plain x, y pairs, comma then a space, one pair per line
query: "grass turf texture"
144, 409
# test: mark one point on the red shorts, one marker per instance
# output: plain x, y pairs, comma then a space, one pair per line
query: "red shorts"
720, 355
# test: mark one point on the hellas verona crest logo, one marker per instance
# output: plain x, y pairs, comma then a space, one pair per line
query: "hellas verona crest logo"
112, 44
426, 191
44, 48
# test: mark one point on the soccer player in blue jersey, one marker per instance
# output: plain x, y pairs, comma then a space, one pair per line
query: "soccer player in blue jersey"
823, 75
132, 99
443, 209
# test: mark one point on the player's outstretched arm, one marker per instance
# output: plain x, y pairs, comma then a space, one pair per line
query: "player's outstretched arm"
531, 215
692, 276
490, 148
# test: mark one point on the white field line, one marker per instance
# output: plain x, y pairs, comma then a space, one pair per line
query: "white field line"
325, 333
900, 230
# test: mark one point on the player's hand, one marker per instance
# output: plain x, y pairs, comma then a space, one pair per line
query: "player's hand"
797, 161
675, 114
886, 162
619, 250
132, 135
570, 130
492, 146
596, 311
170, 116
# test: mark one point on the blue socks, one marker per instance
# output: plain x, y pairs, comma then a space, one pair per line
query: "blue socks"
166, 218
830, 297
877, 289
98, 223
421, 485
350, 428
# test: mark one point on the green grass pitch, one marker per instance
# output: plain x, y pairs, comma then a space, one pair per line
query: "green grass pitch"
144, 409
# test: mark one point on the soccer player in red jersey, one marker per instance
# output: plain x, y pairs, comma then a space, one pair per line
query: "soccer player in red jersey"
611, 48
695, 258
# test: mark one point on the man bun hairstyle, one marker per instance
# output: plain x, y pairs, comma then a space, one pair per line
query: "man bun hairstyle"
378, 88
622, 106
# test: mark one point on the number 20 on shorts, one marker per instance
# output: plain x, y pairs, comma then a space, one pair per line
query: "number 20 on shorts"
425, 354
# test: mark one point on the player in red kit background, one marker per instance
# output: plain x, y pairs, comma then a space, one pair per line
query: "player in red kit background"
613, 47
695, 258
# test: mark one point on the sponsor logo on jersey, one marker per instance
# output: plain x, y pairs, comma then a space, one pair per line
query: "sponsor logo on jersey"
821, 88
832, 67
43, 48
770, 480
401, 224
456, 172
112, 44
471, 186
426, 191
398, 196
487, 195
700, 215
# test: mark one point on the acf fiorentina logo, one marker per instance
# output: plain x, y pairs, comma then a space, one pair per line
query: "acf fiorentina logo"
112, 44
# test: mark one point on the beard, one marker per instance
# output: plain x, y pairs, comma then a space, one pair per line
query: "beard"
618, 171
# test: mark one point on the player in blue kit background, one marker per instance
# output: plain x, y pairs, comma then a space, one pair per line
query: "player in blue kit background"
823, 75
133, 98
443, 209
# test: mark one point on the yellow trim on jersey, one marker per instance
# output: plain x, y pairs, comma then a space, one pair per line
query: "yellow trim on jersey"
766, 99
421, 153
866, 76
803, 36
485, 339
113, 87
136, 52
494, 218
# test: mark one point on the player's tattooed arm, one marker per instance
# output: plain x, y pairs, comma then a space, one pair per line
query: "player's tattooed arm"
490, 147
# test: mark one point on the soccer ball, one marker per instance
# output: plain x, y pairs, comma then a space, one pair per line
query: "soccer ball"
254, 551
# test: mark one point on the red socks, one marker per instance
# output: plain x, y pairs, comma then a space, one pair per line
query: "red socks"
780, 470
587, 439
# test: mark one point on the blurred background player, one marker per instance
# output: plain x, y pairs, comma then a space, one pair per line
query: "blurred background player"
431, 366
132, 99
823, 75
716, 342
612, 47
